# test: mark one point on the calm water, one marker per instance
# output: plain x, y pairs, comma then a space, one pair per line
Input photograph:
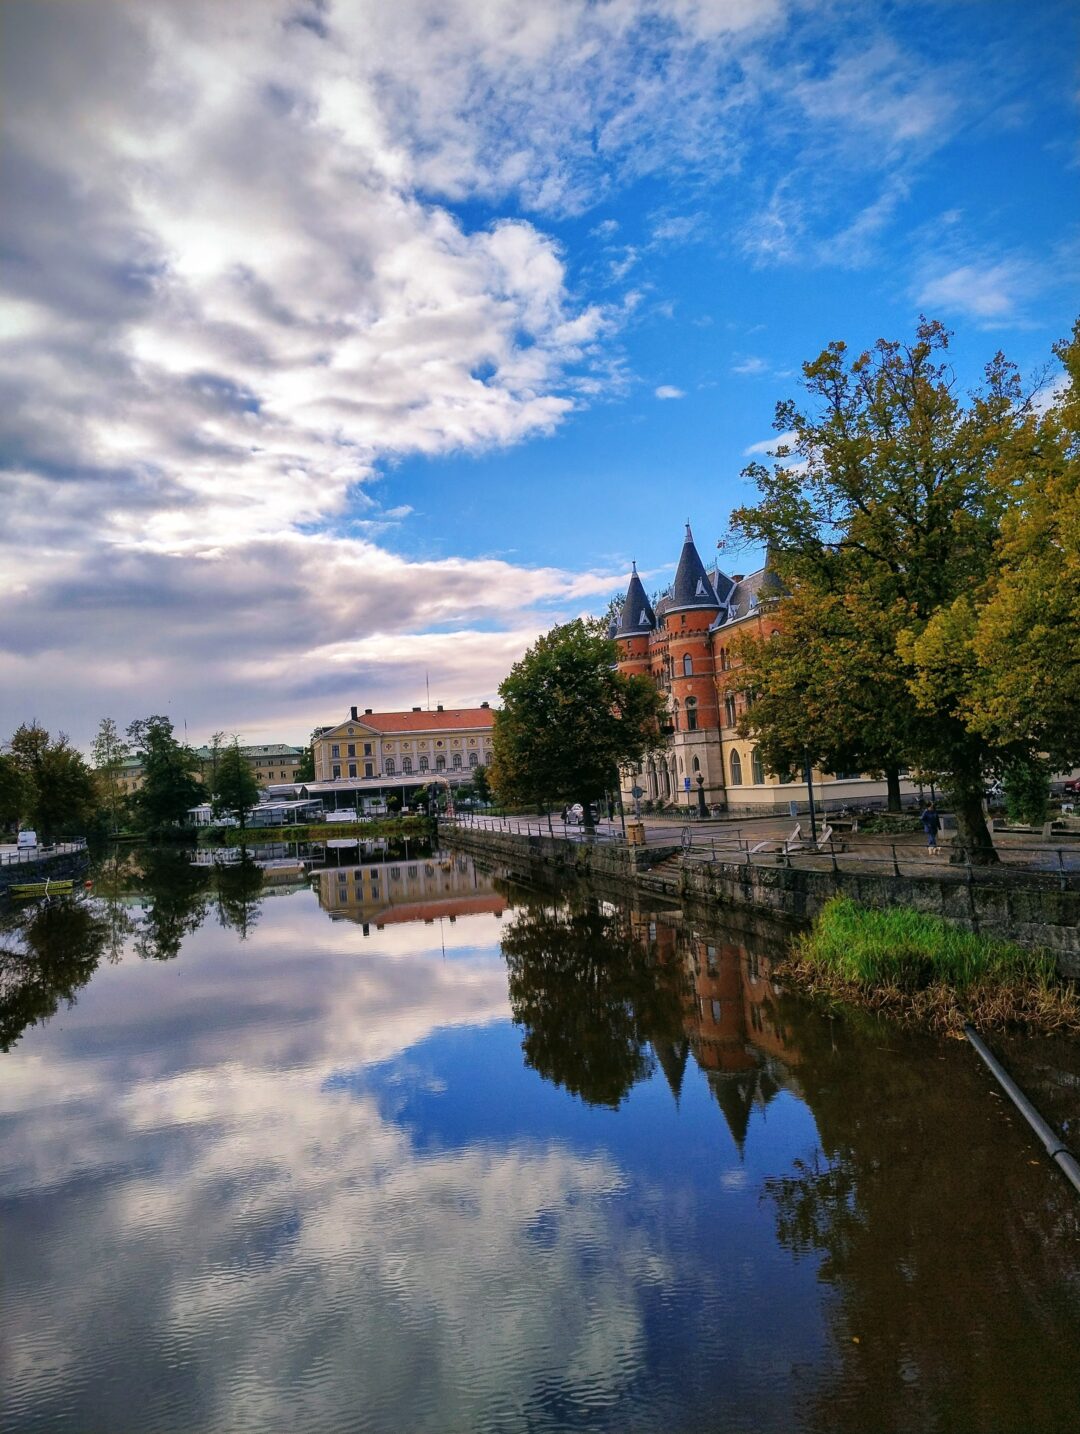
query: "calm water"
397, 1148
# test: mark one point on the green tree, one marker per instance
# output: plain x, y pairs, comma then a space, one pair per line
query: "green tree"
881, 512
239, 894
234, 791
305, 772
61, 796
170, 787
108, 750
1027, 790
569, 718
178, 897
13, 790
481, 784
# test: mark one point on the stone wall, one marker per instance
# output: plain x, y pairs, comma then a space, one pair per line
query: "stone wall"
63, 865
1026, 907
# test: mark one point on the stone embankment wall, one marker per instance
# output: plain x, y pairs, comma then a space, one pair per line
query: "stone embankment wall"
1018, 906
63, 865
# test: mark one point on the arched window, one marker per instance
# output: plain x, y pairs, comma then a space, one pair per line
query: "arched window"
725, 659
440, 764
729, 709
406, 766
456, 763
423, 764
691, 714
736, 770
697, 765
757, 767
474, 760
388, 768
675, 715
687, 665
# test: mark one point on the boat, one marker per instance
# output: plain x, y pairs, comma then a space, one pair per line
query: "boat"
49, 887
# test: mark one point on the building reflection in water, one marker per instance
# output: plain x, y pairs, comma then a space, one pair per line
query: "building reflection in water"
605, 994
425, 887
732, 1023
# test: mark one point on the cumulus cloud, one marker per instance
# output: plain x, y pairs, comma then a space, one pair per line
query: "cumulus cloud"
236, 284
667, 390
768, 446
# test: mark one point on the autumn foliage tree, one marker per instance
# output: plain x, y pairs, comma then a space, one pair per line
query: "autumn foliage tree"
885, 508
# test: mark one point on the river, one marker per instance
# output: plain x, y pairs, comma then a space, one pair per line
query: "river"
393, 1146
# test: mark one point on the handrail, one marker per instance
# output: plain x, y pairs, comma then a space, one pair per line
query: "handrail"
42, 853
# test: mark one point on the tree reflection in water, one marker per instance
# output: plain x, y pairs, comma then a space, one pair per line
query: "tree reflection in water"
913, 1148
47, 952
238, 887
178, 894
590, 998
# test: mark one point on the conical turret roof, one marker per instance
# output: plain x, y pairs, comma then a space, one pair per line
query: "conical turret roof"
692, 587
637, 615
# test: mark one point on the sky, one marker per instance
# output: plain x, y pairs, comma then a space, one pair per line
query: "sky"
345, 347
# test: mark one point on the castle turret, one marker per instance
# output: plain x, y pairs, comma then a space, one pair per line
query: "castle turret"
691, 611
637, 623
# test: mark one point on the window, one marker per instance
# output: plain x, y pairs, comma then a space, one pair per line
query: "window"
367, 749
474, 760
352, 749
757, 767
714, 1007
336, 771
388, 767
691, 714
406, 765
335, 750
696, 765
687, 665
725, 659
729, 709
369, 770
352, 769
457, 761
440, 764
736, 770
675, 716
423, 764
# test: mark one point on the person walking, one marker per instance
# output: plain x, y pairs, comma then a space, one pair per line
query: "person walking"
931, 825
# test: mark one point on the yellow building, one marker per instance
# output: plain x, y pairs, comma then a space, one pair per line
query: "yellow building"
405, 747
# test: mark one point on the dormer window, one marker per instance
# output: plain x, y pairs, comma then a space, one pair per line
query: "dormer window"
699, 591
643, 621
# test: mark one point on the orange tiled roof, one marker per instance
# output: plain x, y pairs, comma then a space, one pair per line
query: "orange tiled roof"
427, 721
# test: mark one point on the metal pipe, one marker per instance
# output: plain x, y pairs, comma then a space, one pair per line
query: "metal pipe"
1059, 1153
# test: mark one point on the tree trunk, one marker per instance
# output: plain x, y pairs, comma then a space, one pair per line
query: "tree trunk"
587, 817
974, 834
892, 783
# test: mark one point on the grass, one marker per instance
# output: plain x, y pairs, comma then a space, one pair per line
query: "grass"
920, 967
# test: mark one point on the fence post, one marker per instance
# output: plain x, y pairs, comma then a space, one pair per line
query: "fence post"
895, 863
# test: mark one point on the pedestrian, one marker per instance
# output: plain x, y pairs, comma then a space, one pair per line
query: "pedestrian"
565, 815
931, 825
610, 809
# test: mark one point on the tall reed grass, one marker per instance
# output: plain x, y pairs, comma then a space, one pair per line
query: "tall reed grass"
914, 964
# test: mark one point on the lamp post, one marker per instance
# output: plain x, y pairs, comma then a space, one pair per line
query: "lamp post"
702, 812
810, 794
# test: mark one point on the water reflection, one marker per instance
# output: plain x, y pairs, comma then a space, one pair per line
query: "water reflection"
363, 1155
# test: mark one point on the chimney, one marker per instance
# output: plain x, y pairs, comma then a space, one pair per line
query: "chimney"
367, 711
485, 704
352, 710
737, 577
416, 709
438, 707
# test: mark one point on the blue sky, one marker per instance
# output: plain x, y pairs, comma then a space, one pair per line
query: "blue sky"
333, 329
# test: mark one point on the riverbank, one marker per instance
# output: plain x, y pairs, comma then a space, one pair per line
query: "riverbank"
917, 968
382, 829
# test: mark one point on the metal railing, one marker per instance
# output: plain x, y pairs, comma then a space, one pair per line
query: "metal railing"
41, 853
1037, 863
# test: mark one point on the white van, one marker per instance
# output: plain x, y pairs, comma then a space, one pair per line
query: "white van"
27, 841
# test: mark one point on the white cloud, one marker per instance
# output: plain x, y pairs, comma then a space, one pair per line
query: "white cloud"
667, 390
752, 366
983, 292
768, 446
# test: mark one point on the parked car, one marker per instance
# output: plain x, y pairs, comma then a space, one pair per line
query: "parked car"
576, 814
344, 814
1072, 787
26, 841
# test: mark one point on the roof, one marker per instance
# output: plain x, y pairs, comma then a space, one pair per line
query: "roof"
637, 615
748, 594
692, 587
450, 719
257, 749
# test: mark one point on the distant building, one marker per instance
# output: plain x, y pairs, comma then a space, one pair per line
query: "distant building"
688, 647
270, 762
391, 749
